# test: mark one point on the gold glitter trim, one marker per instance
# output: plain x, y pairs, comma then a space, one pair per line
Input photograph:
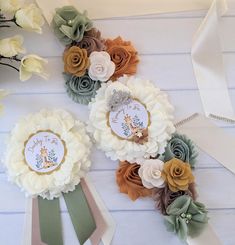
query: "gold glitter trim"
225, 119
190, 118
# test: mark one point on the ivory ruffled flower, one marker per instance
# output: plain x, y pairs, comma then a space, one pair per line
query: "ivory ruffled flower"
30, 18
81, 89
70, 25
92, 41
164, 196
150, 173
10, 6
186, 217
160, 128
101, 67
177, 174
124, 56
76, 158
10, 47
32, 64
129, 181
76, 61
181, 147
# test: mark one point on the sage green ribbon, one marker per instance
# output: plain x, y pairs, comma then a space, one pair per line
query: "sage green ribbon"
80, 214
50, 221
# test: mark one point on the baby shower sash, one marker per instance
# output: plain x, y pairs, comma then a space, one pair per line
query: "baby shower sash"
206, 48
208, 67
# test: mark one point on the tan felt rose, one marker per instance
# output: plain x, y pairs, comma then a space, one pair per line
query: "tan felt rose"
124, 56
129, 181
177, 174
92, 41
76, 61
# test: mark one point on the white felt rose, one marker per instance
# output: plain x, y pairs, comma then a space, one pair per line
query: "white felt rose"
76, 159
150, 173
101, 67
10, 47
30, 18
32, 64
160, 112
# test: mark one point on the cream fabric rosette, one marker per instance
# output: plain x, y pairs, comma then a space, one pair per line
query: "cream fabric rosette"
160, 127
76, 158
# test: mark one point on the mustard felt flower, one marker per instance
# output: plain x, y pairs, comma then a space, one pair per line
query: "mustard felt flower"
177, 174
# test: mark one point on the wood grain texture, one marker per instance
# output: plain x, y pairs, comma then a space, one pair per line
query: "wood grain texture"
164, 43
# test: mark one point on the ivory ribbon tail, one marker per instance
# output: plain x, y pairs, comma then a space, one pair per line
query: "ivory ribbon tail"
27, 234
111, 225
101, 225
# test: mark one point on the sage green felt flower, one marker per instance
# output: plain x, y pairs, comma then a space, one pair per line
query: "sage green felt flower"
81, 89
186, 217
182, 148
69, 25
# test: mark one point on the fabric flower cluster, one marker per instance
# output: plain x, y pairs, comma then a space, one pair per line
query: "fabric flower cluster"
29, 18
169, 180
90, 60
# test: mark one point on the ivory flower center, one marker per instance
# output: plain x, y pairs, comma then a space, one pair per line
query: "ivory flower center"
157, 173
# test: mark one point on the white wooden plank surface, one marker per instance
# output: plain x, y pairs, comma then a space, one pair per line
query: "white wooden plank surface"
164, 43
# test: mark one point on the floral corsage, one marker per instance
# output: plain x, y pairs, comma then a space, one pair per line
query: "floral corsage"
48, 153
90, 60
131, 119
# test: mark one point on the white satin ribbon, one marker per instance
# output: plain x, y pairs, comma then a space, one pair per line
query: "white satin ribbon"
208, 65
208, 236
102, 9
207, 136
27, 233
